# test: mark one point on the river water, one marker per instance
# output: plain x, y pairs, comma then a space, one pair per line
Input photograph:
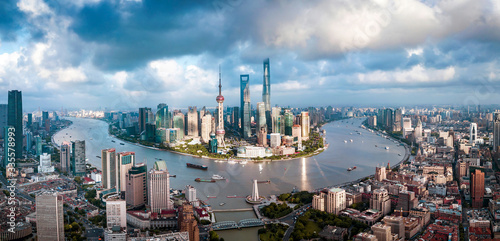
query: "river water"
325, 169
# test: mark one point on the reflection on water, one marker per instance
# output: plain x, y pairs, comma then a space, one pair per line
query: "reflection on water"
304, 182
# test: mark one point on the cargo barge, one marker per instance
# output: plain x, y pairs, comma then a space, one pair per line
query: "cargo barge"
203, 167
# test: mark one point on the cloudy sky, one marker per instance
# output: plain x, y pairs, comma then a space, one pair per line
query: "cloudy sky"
123, 54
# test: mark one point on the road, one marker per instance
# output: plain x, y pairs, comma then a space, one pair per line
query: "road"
5, 183
291, 218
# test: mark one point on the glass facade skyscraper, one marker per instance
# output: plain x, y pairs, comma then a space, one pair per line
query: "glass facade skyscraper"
109, 172
192, 122
266, 94
144, 114
178, 122
289, 117
78, 158
15, 119
245, 105
266, 90
163, 117
261, 116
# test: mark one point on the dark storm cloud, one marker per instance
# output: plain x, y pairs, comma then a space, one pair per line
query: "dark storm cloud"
11, 20
130, 34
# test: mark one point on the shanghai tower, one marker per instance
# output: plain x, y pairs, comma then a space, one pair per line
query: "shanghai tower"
266, 90
266, 94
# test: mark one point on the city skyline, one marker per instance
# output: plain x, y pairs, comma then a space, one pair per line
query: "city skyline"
347, 52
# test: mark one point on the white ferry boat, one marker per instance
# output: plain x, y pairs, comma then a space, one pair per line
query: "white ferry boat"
218, 177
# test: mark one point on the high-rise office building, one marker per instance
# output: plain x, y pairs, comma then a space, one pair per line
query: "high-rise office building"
318, 201
275, 140
206, 127
477, 188
50, 216
65, 156
382, 232
396, 125
288, 122
178, 122
159, 187
78, 166
187, 222
335, 201
192, 124
144, 115
109, 166
45, 116
29, 141
388, 118
418, 130
276, 120
124, 163
136, 193
496, 131
190, 193
235, 117
29, 123
305, 125
262, 137
38, 145
266, 93
45, 165
4, 110
266, 89
116, 212
163, 117
406, 123
261, 116
220, 132
380, 173
15, 120
406, 201
381, 201
473, 133
245, 105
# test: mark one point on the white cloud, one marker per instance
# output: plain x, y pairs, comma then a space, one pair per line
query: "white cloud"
416, 51
335, 26
120, 78
169, 72
34, 7
289, 85
417, 74
245, 69
39, 52
71, 75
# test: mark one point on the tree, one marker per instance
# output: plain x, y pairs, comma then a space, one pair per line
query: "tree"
78, 180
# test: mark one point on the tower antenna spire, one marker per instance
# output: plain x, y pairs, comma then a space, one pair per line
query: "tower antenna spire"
220, 84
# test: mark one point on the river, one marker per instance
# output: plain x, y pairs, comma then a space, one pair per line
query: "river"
326, 169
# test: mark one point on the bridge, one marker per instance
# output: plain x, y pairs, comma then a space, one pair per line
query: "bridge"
251, 222
224, 225
245, 223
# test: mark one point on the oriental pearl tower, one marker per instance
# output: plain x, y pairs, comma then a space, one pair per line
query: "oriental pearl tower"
220, 123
